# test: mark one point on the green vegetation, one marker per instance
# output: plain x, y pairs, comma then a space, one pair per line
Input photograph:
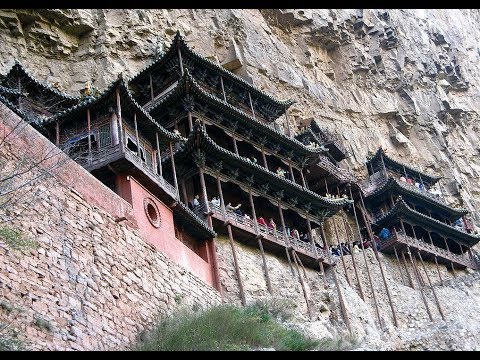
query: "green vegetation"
9, 340
227, 327
16, 240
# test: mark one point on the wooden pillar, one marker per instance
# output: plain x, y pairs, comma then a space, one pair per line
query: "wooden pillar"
57, 133
451, 263
422, 282
383, 164
235, 148
341, 251
136, 133
287, 244
120, 121
89, 126
291, 171
377, 311
179, 52
354, 263
174, 171
264, 158
431, 286
220, 194
223, 89
190, 121
151, 87
235, 262
372, 240
310, 237
204, 191
159, 155
435, 256
391, 201
406, 270
399, 265
184, 190
265, 268
254, 213
305, 295
304, 183
335, 280
251, 104
289, 132
419, 284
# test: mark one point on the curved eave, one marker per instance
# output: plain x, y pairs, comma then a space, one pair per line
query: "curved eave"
126, 98
32, 120
196, 89
231, 76
199, 138
18, 67
430, 178
402, 209
192, 222
395, 185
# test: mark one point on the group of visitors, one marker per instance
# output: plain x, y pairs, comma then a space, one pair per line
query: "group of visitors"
347, 249
432, 190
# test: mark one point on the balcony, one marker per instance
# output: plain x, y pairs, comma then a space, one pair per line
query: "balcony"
342, 174
273, 239
116, 155
427, 250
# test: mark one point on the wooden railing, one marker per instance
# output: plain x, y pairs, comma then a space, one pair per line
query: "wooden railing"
326, 136
373, 184
268, 232
342, 174
104, 154
419, 244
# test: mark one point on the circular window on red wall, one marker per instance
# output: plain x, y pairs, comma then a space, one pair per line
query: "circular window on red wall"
152, 212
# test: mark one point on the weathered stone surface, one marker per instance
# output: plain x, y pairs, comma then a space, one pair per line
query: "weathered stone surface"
406, 80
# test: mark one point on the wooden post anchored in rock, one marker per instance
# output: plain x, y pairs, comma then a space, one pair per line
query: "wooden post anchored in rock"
377, 311
372, 240
286, 237
416, 275
354, 263
305, 294
337, 286
341, 251
431, 286
406, 270
235, 262
399, 266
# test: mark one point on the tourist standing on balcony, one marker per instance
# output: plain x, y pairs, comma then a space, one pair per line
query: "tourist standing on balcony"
196, 202
235, 209
261, 221
215, 201
271, 224
280, 172
384, 234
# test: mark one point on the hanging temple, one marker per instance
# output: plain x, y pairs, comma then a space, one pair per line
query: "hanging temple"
187, 142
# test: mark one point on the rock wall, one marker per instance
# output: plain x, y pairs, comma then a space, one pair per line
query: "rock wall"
407, 80
403, 79
92, 283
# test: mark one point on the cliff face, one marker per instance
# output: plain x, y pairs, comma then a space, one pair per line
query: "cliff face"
407, 80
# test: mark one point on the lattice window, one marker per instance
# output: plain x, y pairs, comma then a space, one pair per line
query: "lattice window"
105, 135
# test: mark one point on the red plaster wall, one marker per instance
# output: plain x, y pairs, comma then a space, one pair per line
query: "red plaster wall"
25, 140
162, 238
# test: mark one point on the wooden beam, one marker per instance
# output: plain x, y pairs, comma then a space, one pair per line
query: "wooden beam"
291, 171
431, 286
305, 295
179, 52
399, 265
57, 133
120, 121
89, 126
251, 104
151, 87
173, 168
136, 133
220, 194
183, 187
190, 121
264, 158
159, 155
287, 245
377, 311
235, 148
235, 262
265, 268
223, 89
204, 191
332, 220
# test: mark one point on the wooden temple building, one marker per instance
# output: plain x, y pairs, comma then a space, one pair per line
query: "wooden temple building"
198, 152
406, 201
